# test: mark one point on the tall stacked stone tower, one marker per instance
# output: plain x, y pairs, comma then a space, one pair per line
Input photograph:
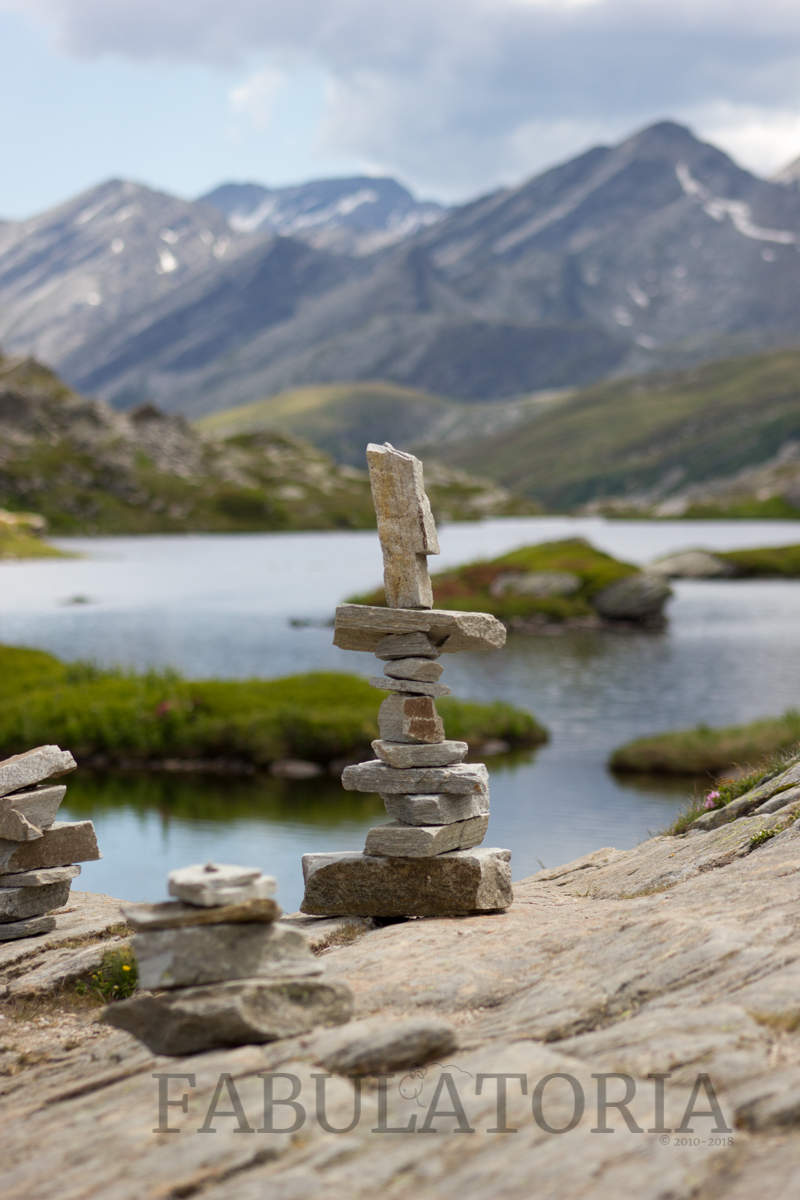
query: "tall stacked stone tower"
424, 862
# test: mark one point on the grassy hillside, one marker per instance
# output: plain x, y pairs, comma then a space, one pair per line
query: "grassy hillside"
704, 750
138, 718
650, 435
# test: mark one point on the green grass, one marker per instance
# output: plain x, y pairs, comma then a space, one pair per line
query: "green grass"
116, 978
770, 562
19, 544
320, 717
625, 436
468, 588
707, 751
722, 794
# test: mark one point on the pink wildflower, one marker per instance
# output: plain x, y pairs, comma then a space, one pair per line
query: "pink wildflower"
711, 800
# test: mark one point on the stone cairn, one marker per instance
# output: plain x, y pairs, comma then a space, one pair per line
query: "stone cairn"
423, 862
225, 971
38, 855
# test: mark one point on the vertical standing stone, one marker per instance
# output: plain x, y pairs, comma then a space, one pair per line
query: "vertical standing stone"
405, 526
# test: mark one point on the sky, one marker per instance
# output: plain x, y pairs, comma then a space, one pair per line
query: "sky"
452, 97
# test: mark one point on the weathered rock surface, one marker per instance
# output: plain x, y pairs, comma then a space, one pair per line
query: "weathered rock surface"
422, 841
693, 564
462, 779
231, 1014
15, 826
12, 930
210, 885
23, 770
404, 754
375, 1046
773, 788
635, 598
39, 877
39, 805
197, 955
406, 645
437, 809
364, 626
410, 719
424, 669
63, 843
463, 881
409, 686
174, 914
405, 525
17, 904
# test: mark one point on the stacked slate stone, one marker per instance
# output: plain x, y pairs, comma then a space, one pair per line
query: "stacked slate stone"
423, 862
38, 855
225, 970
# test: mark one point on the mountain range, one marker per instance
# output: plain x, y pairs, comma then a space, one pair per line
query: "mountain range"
659, 252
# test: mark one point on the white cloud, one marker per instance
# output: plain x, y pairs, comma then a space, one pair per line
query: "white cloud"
457, 95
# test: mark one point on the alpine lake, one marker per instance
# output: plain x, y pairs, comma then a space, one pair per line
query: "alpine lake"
259, 605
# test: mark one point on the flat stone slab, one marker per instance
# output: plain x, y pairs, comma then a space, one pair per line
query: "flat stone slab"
406, 645
174, 914
377, 1045
464, 881
411, 719
14, 930
424, 841
30, 812
437, 809
405, 754
63, 843
364, 626
231, 1014
191, 957
209, 885
425, 670
409, 686
40, 877
34, 766
18, 904
460, 779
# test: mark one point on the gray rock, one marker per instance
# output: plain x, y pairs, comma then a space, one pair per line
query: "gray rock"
405, 525
437, 809
376, 1045
63, 843
406, 645
30, 812
535, 583
174, 914
405, 754
196, 955
634, 598
210, 885
410, 686
424, 841
324, 932
61, 967
425, 670
459, 779
778, 802
29, 928
245, 1011
364, 626
693, 564
411, 719
463, 881
41, 877
23, 770
17, 904
750, 801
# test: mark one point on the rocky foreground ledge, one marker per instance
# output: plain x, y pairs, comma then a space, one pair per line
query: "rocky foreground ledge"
680, 958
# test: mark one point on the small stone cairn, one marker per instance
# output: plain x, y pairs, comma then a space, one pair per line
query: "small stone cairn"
223, 969
38, 855
424, 861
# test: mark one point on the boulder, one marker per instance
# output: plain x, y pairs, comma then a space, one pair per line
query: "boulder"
637, 597
197, 955
375, 1046
693, 564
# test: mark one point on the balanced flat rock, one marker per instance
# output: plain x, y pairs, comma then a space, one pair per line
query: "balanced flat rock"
410, 719
406, 527
377, 1045
437, 809
241, 1012
464, 881
43, 876
424, 669
363, 627
424, 841
405, 754
411, 686
191, 957
39, 805
459, 779
174, 914
34, 766
210, 884
18, 904
22, 929
406, 645
65, 842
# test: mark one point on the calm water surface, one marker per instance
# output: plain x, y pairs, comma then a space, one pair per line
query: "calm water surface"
221, 606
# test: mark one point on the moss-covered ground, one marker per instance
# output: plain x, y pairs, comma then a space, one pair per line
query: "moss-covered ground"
707, 751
